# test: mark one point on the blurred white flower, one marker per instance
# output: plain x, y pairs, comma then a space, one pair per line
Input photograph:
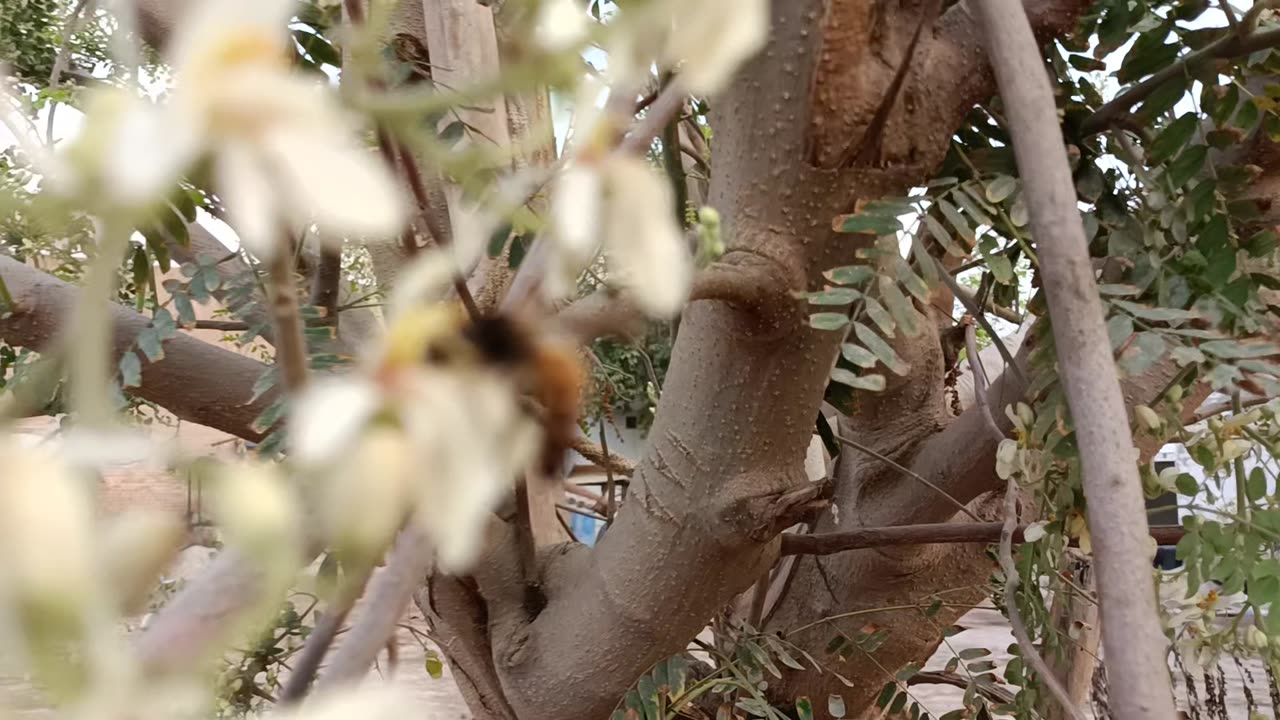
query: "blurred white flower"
1006, 458
1234, 448
471, 439
1034, 531
284, 151
561, 24
46, 525
257, 510
1168, 479
1148, 417
620, 204
713, 38
448, 440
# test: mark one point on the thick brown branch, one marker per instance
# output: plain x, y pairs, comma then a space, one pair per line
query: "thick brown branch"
195, 381
927, 534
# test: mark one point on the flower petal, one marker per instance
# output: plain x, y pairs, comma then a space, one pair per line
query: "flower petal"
344, 187
646, 249
249, 194
1034, 531
327, 418
575, 206
713, 38
561, 25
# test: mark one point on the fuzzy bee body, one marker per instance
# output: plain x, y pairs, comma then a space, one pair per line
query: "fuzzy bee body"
544, 371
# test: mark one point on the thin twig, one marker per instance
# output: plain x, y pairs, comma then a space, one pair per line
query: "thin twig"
291, 346
1030, 654
951, 533
608, 473
602, 458
71, 27
971, 305
909, 473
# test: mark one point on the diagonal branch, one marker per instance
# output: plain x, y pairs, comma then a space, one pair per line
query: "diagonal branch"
1231, 44
196, 381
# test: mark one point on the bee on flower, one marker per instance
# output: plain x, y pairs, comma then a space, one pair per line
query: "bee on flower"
435, 429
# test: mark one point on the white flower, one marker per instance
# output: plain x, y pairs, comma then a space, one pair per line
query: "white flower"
1234, 448
46, 522
366, 498
620, 204
257, 510
324, 419
284, 151
1034, 531
447, 444
1168, 479
713, 38
645, 248
472, 439
561, 25
1006, 458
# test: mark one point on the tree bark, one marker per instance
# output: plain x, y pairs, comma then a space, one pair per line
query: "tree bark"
195, 381
1133, 641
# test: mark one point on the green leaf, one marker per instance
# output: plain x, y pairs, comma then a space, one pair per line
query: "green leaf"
1001, 268
1235, 350
317, 47
886, 695
1247, 116
186, 313
1000, 188
966, 201
957, 220
453, 132
433, 665
833, 296
907, 672
149, 343
1173, 138
1146, 350
1116, 290
879, 316
159, 250
850, 274
873, 383
881, 349
898, 703
835, 706
1156, 314
973, 653
943, 237
858, 355
498, 240
1188, 165
877, 225
933, 608
1185, 484
1262, 244
828, 321
1256, 486
804, 708
130, 370
1119, 328
904, 313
